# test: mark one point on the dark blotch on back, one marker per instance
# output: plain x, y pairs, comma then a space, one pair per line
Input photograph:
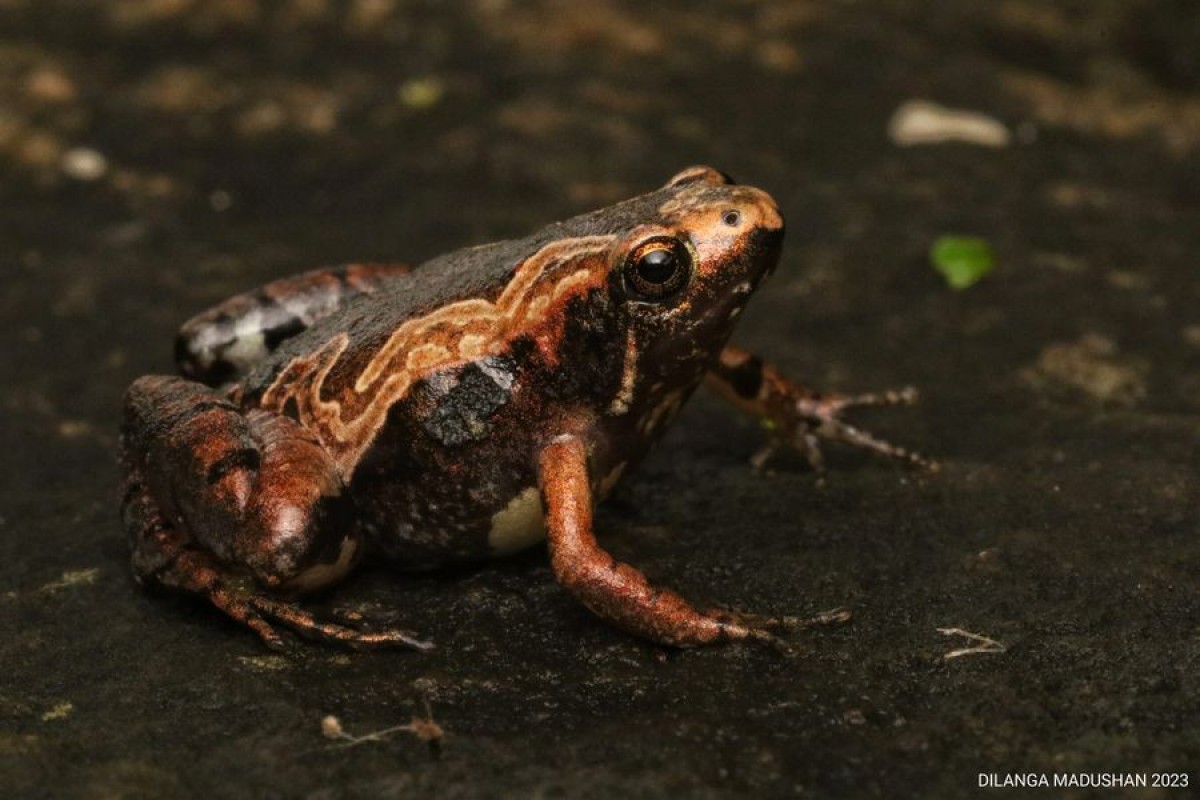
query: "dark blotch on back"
461, 403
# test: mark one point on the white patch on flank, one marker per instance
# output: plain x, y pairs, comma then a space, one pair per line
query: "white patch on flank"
324, 574
519, 524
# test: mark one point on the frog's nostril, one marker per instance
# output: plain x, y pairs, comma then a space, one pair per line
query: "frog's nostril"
771, 216
765, 211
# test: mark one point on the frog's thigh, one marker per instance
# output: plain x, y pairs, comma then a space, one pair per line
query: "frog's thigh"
253, 489
615, 591
165, 556
226, 341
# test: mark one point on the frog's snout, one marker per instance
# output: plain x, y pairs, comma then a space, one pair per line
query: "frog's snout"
767, 211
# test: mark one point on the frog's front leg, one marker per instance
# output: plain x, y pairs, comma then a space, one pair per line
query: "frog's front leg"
236, 506
798, 417
618, 592
223, 343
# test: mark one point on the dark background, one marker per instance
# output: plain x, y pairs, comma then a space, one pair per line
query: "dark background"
242, 141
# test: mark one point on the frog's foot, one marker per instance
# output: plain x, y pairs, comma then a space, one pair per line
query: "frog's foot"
783, 624
805, 417
164, 557
766, 629
798, 418
355, 634
263, 613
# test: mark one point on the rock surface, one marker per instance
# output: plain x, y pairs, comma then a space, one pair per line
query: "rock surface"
159, 156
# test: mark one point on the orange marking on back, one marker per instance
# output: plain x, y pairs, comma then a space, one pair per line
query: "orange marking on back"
533, 300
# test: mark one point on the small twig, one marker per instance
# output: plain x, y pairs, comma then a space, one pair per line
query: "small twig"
424, 729
837, 616
982, 644
78, 577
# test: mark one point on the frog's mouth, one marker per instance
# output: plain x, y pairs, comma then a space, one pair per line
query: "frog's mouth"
763, 249
759, 259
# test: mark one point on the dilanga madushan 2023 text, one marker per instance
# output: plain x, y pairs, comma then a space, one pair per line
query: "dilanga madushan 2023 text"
1081, 780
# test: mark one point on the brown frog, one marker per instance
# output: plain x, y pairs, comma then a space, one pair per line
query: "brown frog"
470, 407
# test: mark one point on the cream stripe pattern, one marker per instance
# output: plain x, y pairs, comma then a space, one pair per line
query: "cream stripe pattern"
448, 336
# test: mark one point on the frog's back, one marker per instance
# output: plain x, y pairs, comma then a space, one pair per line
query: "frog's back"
473, 273
368, 319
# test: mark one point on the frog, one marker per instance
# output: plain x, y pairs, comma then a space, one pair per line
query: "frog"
473, 406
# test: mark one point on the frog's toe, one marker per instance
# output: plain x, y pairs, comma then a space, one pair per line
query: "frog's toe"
820, 417
784, 623
839, 430
802, 438
765, 629
373, 621
749, 620
235, 605
352, 630
831, 405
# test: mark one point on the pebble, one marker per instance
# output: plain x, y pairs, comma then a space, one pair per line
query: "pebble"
84, 164
918, 122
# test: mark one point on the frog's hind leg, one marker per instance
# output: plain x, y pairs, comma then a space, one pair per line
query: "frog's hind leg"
236, 508
223, 343
165, 557
798, 417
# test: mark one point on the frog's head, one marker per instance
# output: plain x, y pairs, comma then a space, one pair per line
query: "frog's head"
637, 299
685, 275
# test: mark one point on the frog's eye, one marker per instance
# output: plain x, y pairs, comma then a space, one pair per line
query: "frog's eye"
658, 268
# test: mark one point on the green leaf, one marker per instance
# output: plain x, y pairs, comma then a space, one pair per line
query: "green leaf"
962, 260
